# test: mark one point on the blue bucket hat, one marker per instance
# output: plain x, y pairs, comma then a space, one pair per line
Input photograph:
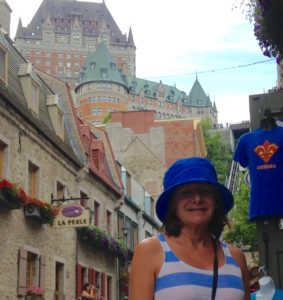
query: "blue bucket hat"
190, 170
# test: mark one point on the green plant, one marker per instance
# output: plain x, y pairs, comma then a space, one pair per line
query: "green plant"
266, 16
241, 231
101, 239
21, 199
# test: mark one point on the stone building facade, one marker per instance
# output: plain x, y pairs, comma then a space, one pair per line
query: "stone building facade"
51, 154
147, 147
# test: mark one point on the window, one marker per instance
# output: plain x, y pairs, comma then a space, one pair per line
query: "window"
3, 65
59, 281
128, 238
60, 190
128, 184
96, 213
31, 270
3, 154
135, 235
33, 180
103, 73
97, 278
120, 224
108, 221
149, 205
82, 278
96, 111
109, 288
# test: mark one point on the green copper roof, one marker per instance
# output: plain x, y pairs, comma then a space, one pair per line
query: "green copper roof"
197, 96
171, 93
99, 66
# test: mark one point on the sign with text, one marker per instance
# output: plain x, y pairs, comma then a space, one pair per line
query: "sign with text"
72, 215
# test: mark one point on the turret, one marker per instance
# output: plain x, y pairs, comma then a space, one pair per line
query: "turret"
5, 16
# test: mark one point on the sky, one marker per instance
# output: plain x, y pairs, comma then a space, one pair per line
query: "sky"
180, 40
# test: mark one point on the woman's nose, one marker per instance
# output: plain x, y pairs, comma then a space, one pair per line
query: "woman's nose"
197, 197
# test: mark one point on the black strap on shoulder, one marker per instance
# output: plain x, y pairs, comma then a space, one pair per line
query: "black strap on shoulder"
215, 270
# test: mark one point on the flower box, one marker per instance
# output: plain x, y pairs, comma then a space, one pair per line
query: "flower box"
34, 297
34, 293
8, 200
33, 212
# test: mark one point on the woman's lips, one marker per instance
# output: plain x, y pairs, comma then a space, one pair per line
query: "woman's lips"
197, 209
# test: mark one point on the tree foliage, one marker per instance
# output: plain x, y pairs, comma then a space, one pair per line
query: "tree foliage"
241, 230
217, 151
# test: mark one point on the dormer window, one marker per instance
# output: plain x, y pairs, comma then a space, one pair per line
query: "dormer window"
3, 65
103, 73
56, 115
113, 66
30, 85
34, 97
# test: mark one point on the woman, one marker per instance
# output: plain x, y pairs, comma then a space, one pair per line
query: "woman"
88, 292
188, 262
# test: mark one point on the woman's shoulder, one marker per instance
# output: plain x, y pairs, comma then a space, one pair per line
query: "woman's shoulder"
148, 244
149, 249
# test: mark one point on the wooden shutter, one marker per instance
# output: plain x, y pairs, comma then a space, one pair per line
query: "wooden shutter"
22, 271
94, 277
90, 276
2, 149
42, 272
79, 280
103, 278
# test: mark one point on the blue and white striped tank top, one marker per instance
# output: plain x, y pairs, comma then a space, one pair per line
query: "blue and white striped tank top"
179, 281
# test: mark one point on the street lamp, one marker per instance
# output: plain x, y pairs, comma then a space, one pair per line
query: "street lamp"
125, 231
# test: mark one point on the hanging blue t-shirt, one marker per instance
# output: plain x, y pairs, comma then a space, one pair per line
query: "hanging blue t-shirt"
277, 296
262, 152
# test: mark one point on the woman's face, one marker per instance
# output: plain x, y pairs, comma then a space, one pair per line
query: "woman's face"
195, 203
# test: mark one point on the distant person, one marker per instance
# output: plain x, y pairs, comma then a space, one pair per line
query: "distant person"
88, 292
187, 261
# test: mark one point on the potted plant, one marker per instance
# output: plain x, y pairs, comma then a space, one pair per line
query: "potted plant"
40, 211
9, 197
34, 293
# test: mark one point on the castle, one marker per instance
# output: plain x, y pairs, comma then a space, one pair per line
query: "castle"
65, 35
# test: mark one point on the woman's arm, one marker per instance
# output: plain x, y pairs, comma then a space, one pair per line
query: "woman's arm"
241, 260
145, 266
